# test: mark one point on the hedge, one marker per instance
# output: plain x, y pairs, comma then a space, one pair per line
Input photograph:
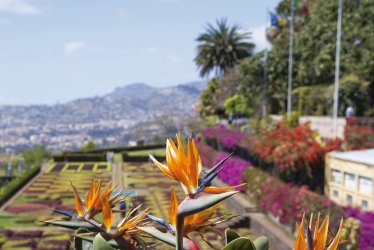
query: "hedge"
12, 187
100, 154
140, 158
81, 157
117, 149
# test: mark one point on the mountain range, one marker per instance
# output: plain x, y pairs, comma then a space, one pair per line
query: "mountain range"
137, 101
96, 117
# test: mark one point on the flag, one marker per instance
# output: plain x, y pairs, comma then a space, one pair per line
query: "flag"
273, 19
277, 21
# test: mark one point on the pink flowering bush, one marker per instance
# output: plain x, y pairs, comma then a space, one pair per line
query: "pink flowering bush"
366, 240
228, 138
285, 200
234, 166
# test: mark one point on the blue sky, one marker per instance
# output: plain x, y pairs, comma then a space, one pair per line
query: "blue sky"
56, 51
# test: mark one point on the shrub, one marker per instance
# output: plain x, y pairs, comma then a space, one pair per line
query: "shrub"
234, 167
288, 148
350, 233
12, 187
224, 136
284, 200
367, 227
357, 137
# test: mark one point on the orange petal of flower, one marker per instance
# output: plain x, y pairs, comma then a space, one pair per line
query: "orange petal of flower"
162, 167
202, 217
173, 207
193, 168
300, 243
315, 236
107, 215
78, 201
320, 242
182, 155
90, 195
177, 169
335, 243
217, 190
196, 153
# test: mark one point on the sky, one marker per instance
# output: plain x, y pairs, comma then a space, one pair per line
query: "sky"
55, 51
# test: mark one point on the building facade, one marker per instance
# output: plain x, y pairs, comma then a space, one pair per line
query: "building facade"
349, 178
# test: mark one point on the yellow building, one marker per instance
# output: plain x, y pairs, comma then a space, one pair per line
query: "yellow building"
349, 178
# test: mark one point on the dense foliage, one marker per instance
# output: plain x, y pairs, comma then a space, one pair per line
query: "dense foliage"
36, 155
293, 153
367, 227
284, 200
357, 137
314, 62
228, 138
234, 166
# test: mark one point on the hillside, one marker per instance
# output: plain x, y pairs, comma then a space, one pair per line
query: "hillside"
96, 118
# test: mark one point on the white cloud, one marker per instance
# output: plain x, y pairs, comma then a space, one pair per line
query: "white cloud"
258, 37
123, 13
72, 47
153, 49
20, 7
174, 58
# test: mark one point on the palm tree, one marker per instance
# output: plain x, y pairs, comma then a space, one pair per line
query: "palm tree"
221, 47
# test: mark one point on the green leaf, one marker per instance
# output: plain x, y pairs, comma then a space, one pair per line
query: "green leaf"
99, 243
200, 203
167, 237
72, 224
240, 244
81, 244
231, 235
262, 243
116, 243
191, 206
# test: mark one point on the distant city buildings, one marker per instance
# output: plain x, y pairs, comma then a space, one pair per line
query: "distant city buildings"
349, 178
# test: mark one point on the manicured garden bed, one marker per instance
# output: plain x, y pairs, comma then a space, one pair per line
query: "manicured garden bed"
77, 167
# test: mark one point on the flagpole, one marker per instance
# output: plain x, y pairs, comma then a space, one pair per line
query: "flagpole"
337, 70
264, 104
290, 59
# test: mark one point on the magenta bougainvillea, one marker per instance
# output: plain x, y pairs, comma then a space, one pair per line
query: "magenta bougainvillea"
367, 227
228, 138
285, 200
234, 166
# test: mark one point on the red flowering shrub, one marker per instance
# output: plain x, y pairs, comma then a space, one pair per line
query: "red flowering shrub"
357, 137
288, 147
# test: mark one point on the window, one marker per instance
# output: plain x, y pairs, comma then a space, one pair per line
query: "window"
335, 194
349, 199
365, 185
349, 181
336, 176
364, 204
